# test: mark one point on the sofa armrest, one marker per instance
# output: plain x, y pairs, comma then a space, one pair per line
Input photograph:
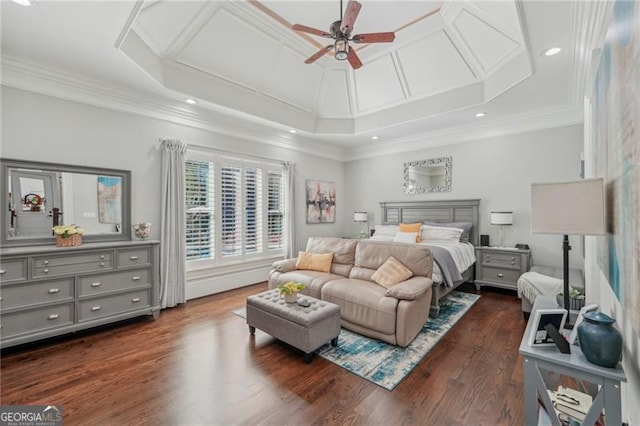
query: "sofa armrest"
410, 289
285, 265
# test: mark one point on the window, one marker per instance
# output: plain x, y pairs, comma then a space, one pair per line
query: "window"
235, 209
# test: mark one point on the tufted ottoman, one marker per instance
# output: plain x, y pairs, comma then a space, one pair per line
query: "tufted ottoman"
305, 328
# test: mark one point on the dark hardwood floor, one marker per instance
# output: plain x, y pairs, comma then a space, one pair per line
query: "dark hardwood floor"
197, 364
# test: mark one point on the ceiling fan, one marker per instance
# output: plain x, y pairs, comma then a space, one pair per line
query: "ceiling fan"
340, 31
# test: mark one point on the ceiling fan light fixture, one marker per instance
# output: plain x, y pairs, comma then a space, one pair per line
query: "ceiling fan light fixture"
341, 49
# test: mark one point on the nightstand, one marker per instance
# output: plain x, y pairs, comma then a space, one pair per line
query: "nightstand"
501, 266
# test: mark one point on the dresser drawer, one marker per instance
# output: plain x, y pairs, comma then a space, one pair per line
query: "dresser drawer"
48, 271
505, 276
501, 259
12, 270
73, 259
138, 256
31, 293
110, 305
38, 319
97, 284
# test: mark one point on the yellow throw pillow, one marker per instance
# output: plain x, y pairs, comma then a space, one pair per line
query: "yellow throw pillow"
391, 273
411, 227
314, 261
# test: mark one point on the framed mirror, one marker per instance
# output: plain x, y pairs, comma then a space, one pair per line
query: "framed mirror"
432, 175
41, 195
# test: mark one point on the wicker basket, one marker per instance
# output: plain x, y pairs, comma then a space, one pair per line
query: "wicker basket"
70, 241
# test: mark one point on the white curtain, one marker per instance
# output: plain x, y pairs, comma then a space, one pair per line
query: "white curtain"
291, 232
173, 276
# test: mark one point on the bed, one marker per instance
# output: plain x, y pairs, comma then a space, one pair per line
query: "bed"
462, 254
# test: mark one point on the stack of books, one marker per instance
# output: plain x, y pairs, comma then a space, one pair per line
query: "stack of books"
571, 406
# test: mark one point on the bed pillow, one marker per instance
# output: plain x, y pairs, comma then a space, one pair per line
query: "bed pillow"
406, 237
411, 227
391, 273
440, 234
389, 230
320, 262
465, 226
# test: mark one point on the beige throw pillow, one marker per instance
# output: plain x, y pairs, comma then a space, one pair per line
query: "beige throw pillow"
314, 261
391, 273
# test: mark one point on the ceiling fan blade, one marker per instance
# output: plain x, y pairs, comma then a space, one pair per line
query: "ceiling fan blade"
374, 38
350, 15
305, 29
319, 54
353, 59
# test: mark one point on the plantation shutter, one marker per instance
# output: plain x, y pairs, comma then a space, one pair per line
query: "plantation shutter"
253, 210
275, 213
200, 190
231, 210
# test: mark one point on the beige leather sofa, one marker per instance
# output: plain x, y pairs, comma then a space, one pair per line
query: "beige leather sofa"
395, 315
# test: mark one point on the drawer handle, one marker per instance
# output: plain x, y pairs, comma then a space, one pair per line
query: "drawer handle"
500, 275
102, 256
101, 263
96, 308
135, 278
513, 258
513, 263
2, 271
46, 271
53, 316
133, 258
54, 290
96, 284
46, 262
135, 299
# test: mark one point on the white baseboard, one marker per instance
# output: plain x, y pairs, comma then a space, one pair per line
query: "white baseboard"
219, 283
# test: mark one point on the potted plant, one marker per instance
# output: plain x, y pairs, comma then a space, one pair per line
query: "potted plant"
576, 299
290, 291
68, 235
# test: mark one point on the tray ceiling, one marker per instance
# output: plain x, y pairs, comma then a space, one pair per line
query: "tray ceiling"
244, 56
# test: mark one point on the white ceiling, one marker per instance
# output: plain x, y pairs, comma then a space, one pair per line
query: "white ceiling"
245, 66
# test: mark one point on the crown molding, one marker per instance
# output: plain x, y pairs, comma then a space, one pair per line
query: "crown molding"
32, 77
547, 118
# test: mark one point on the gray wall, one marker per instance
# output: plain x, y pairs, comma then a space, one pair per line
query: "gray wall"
499, 171
43, 128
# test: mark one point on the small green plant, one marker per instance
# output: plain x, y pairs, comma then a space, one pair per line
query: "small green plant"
290, 288
573, 294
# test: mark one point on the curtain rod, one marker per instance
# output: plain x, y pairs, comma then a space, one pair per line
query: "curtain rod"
228, 151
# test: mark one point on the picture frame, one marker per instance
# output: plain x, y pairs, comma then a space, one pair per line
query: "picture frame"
538, 336
573, 337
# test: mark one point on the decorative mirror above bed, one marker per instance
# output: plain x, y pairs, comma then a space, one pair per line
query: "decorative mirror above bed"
431, 175
39, 196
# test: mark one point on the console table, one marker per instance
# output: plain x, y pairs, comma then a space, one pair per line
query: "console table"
540, 361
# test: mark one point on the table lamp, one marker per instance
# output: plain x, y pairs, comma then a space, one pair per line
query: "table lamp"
363, 219
501, 219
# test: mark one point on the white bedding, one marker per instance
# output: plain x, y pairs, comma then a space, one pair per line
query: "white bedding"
463, 254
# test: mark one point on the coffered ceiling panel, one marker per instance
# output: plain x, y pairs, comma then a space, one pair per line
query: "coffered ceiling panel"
335, 99
229, 47
433, 65
488, 44
160, 23
380, 73
292, 81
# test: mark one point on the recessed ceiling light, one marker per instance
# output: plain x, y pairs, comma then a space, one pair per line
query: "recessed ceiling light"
375, 138
552, 51
481, 114
293, 131
190, 101
22, 2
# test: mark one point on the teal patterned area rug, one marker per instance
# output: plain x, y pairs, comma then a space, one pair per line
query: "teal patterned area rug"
384, 364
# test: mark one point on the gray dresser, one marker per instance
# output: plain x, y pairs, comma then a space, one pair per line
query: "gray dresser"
46, 291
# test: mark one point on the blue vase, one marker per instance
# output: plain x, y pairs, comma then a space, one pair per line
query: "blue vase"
600, 341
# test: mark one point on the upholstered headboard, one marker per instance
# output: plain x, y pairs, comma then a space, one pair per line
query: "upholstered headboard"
435, 211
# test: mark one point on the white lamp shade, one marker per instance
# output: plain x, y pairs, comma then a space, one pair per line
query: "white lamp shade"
360, 217
502, 218
568, 208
